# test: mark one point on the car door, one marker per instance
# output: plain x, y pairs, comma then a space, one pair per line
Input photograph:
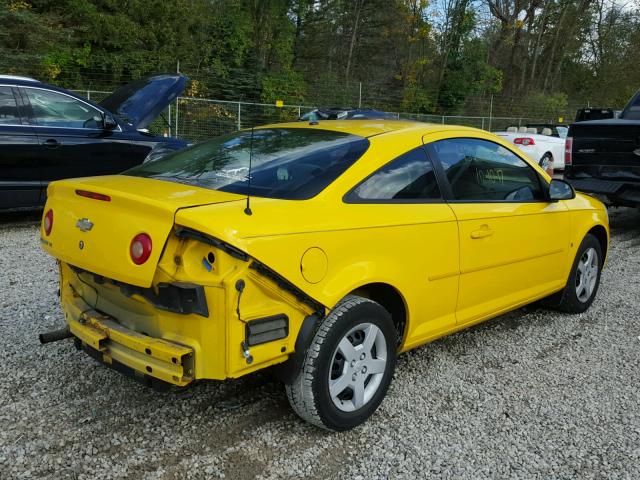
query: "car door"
19, 158
422, 238
513, 241
73, 142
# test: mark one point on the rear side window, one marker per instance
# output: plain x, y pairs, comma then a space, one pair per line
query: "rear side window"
409, 178
8, 107
58, 110
480, 170
286, 163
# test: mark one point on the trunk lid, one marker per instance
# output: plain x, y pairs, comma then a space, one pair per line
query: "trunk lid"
95, 235
140, 102
608, 149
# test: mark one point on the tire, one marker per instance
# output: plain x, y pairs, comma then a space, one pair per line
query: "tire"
360, 382
575, 297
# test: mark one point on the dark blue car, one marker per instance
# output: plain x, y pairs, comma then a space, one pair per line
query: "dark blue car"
48, 133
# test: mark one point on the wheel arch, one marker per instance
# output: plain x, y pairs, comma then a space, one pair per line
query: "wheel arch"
391, 300
601, 235
388, 296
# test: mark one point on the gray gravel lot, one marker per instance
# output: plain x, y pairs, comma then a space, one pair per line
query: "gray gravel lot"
532, 394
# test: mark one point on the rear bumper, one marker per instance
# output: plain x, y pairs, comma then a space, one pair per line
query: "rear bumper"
167, 361
165, 341
622, 193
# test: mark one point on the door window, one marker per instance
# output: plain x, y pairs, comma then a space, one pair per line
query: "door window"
8, 107
480, 170
408, 178
55, 109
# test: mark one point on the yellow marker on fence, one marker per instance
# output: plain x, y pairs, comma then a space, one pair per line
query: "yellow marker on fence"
560, 119
279, 103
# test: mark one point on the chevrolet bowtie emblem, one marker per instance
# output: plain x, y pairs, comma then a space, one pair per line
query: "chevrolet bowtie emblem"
84, 224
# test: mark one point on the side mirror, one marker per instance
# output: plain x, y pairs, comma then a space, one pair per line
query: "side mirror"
108, 122
560, 190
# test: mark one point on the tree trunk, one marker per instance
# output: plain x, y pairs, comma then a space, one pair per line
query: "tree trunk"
554, 45
353, 40
582, 6
536, 48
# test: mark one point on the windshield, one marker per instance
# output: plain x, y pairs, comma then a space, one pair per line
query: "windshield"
286, 163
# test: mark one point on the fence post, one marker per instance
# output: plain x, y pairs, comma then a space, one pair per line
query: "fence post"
299, 111
443, 119
239, 116
482, 123
360, 96
490, 111
176, 131
89, 94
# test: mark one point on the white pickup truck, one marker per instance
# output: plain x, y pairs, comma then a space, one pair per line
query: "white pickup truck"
546, 147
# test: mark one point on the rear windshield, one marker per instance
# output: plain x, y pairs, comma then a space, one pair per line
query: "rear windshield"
286, 163
632, 110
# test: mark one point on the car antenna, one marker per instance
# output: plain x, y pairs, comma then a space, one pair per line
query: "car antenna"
247, 209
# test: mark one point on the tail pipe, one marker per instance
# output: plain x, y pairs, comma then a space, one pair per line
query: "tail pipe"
54, 335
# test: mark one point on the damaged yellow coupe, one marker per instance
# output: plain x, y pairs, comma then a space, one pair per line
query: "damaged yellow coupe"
318, 250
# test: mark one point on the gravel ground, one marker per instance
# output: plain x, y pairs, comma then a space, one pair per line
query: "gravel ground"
532, 394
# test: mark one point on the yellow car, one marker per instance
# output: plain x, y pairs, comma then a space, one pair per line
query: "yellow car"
320, 250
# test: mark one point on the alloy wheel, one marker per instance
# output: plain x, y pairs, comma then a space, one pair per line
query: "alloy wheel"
357, 367
587, 274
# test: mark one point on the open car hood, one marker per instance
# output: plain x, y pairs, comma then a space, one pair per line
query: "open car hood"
140, 102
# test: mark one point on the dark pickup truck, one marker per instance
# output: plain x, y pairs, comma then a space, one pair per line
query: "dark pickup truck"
603, 156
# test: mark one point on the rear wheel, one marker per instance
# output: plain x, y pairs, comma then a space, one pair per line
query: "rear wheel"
584, 279
348, 367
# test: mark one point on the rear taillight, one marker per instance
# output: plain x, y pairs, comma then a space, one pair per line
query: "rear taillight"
526, 141
47, 222
568, 151
93, 195
140, 248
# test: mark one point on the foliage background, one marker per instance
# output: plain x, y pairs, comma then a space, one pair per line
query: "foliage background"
534, 57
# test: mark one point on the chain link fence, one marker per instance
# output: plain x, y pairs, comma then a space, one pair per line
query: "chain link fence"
197, 119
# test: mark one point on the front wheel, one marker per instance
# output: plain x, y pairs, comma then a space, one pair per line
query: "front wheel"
348, 367
584, 279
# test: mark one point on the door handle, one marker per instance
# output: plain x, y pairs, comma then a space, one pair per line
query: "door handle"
51, 143
482, 232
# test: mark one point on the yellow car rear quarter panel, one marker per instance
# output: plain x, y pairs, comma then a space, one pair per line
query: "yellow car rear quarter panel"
413, 248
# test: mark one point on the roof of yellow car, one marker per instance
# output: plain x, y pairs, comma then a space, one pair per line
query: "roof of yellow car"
367, 128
